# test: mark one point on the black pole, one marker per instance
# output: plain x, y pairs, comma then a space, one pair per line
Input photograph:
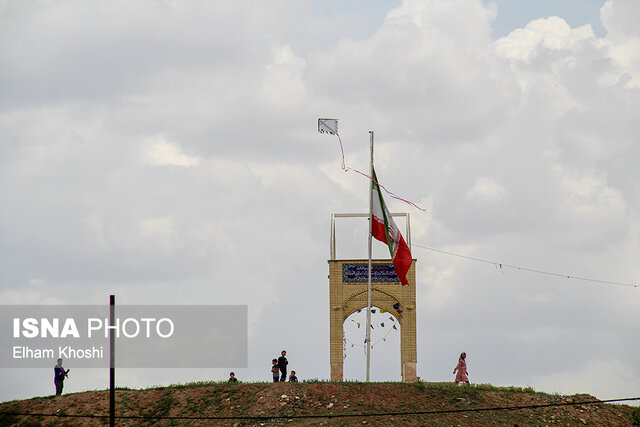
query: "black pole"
112, 368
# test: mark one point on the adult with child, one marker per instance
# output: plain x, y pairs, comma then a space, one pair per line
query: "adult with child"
59, 374
462, 377
282, 364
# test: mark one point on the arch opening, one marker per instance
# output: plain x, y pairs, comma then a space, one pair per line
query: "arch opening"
385, 346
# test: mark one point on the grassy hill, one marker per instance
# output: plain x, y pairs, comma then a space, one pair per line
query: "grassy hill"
321, 403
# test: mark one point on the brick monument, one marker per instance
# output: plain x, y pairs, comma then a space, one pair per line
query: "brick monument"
348, 294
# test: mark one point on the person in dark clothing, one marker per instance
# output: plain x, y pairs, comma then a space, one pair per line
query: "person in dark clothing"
59, 374
282, 364
232, 378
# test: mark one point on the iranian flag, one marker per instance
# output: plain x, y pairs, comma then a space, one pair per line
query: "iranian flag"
385, 229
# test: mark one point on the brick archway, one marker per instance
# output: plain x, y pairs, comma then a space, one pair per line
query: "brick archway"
347, 294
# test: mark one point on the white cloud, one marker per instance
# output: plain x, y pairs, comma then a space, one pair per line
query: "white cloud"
161, 227
35, 295
162, 153
542, 336
282, 85
551, 33
486, 189
434, 287
620, 18
37, 281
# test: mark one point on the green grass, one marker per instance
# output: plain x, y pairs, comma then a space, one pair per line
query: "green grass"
424, 386
221, 397
8, 420
635, 416
162, 406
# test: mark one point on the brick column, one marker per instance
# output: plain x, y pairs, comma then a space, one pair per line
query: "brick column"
336, 321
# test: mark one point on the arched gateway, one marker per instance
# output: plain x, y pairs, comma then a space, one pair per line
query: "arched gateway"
348, 294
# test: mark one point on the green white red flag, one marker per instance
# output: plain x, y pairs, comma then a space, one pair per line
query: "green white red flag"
383, 228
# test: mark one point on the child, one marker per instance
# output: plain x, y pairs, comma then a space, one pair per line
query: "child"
292, 377
282, 364
232, 378
275, 370
462, 370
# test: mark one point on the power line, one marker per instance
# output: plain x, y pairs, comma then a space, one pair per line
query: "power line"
351, 415
530, 270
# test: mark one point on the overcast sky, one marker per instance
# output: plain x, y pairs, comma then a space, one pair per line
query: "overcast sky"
167, 152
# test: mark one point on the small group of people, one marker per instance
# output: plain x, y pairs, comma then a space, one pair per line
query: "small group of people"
279, 369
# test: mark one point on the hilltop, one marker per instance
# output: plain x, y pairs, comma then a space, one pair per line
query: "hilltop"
322, 401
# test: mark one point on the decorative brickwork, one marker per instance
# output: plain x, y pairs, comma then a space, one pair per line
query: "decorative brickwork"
346, 298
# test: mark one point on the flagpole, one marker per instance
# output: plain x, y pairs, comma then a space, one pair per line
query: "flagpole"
368, 335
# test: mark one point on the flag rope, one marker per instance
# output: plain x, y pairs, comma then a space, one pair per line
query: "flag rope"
353, 344
346, 168
378, 324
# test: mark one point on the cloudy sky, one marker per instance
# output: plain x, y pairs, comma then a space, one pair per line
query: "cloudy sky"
167, 152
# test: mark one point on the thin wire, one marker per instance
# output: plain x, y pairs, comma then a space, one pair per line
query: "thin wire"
531, 270
344, 336
497, 264
370, 414
345, 168
375, 343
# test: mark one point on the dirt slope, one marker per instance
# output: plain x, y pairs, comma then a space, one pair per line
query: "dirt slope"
322, 401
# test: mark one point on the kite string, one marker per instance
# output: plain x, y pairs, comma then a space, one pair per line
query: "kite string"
498, 265
345, 168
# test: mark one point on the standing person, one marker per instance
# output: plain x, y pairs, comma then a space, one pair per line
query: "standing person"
275, 370
282, 364
59, 374
292, 377
462, 370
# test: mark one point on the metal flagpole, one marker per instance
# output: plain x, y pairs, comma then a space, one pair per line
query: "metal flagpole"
112, 364
368, 335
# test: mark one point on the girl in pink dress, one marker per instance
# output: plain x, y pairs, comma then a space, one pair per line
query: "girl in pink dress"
462, 370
